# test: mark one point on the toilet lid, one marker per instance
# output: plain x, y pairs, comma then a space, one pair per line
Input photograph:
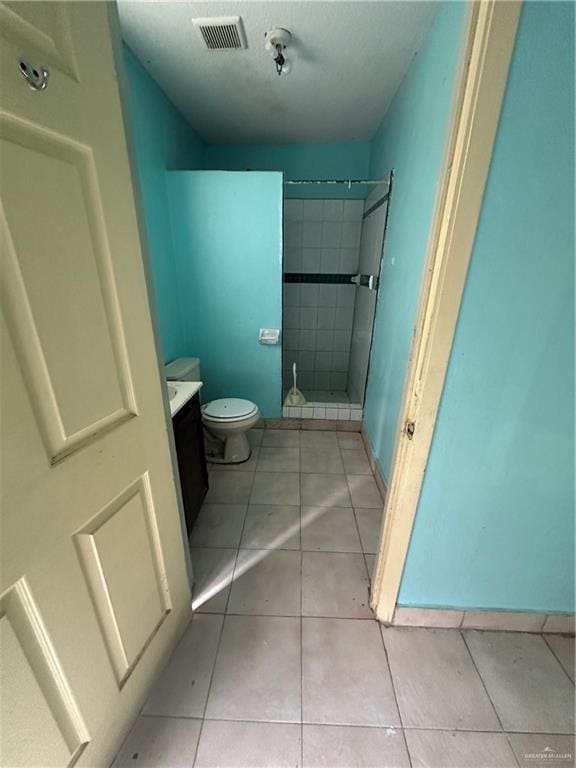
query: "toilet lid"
229, 408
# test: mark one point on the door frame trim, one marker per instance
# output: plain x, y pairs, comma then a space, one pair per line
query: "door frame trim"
481, 82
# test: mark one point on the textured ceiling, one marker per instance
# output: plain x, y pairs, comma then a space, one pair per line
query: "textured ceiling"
348, 59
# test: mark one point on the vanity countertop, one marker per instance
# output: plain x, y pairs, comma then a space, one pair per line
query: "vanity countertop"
184, 391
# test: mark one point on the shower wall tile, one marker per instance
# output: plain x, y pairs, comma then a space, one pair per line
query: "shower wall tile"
353, 210
291, 318
312, 234
310, 261
308, 295
312, 210
341, 341
293, 210
308, 318
320, 236
333, 210
326, 317
328, 295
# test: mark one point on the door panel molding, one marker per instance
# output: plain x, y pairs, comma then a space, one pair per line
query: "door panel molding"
19, 610
56, 44
51, 401
126, 635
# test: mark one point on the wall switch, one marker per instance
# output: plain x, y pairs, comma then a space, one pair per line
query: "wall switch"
269, 336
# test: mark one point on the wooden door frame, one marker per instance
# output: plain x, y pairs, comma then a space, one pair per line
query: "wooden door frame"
481, 83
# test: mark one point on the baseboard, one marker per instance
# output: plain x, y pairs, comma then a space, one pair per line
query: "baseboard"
504, 621
380, 482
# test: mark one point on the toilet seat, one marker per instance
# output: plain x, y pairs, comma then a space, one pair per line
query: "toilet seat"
229, 409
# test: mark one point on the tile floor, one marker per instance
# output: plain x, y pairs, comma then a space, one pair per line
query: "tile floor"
283, 664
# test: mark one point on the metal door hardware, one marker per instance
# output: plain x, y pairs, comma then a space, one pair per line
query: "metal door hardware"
36, 77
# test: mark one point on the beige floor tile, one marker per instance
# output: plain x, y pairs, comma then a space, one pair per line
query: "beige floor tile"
324, 491
350, 440
563, 648
213, 569
370, 563
255, 437
319, 439
159, 742
266, 582
228, 487
276, 488
243, 466
279, 459
540, 750
335, 584
329, 529
356, 462
248, 745
530, 690
369, 524
321, 461
459, 749
218, 525
286, 438
345, 675
340, 746
435, 680
257, 672
182, 688
271, 526
364, 491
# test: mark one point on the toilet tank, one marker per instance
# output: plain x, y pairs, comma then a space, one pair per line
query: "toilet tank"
183, 369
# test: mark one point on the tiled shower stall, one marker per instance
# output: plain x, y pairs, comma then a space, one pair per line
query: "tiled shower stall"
327, 320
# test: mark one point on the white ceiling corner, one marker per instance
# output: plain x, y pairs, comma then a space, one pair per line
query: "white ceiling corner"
348, 58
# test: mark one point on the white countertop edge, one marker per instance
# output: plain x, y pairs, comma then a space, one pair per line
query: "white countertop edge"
185, 390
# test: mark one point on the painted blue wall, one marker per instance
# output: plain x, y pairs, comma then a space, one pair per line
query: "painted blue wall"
162, 139
228, 247
495, 523
298, 161
411, 140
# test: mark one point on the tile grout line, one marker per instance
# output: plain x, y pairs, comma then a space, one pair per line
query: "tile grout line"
436, 729
301, 623
553, 652
463, 636
402, 727
224, 615
357, 526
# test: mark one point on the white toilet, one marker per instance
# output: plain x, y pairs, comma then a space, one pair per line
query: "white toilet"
228, 420
225, 421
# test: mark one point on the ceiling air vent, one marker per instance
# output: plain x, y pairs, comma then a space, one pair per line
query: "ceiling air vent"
222, 33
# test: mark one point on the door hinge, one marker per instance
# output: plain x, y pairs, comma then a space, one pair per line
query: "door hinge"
409, 429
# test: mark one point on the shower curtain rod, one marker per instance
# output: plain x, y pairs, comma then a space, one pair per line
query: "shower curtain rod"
348, 182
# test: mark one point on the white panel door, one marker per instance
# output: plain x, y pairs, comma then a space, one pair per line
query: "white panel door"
93, 590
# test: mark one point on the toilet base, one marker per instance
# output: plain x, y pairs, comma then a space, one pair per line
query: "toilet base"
234, 448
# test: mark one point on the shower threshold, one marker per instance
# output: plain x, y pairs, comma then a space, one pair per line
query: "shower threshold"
325, 404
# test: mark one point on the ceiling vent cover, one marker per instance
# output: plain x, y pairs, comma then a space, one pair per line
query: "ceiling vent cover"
221, 33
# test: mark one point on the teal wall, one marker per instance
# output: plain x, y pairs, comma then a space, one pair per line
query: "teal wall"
411, 140
495, 523
298, 161
228, 248
162, 139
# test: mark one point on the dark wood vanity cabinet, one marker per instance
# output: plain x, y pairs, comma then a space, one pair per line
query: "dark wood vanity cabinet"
189, 439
